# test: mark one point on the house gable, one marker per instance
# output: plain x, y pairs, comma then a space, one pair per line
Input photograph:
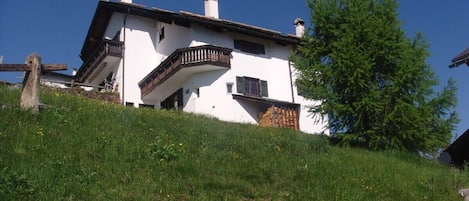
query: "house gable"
105, 10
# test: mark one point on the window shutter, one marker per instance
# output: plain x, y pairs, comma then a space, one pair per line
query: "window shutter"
240, 85
264, 90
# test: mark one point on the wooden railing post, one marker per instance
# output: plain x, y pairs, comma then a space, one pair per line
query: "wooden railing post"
31, 82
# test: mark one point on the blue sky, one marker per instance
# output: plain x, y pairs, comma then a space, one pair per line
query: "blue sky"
56, 30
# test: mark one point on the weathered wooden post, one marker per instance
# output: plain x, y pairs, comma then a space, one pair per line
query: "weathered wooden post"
30, 93
31, 83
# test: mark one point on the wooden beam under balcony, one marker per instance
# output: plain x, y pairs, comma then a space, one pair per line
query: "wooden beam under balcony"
183, 58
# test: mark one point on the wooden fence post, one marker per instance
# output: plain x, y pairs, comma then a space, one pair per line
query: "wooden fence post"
32, 79
30, 93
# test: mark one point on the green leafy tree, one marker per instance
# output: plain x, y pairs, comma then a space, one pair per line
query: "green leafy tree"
376, 87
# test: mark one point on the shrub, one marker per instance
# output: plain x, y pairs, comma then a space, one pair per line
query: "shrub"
163, 150
15, 186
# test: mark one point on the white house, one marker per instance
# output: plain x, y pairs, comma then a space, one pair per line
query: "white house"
196, 63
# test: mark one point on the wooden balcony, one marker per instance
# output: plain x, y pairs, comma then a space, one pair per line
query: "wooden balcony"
183, 59
107, 48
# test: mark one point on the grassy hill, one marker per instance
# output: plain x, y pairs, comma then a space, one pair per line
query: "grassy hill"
83, 149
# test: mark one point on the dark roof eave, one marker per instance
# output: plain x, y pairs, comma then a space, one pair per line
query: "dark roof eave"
459, 62
96, 31
461, 58
461, 55
266, 101
239, 27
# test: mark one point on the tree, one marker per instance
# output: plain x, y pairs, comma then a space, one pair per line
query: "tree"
375, 85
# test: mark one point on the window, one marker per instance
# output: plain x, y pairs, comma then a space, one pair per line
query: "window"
129, 104
161, 34
247, 46
229, 87
174, 101
197, 92
252, 86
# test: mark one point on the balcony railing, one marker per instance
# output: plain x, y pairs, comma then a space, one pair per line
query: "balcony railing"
182, 58
106, 48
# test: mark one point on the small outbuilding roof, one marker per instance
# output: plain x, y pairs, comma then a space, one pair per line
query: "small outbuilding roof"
459, 150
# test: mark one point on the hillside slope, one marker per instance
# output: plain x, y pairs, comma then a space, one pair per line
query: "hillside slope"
82, 149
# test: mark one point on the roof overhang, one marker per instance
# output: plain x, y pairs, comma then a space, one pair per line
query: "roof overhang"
461, 58
266, 101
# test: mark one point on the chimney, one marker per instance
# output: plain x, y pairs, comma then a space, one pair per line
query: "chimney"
126, 1
300, 27
211, 8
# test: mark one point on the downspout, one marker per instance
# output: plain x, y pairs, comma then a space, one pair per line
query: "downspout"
298, 109
123, 58
291, 82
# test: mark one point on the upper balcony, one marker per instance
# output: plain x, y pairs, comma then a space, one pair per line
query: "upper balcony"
184, 62
108, 52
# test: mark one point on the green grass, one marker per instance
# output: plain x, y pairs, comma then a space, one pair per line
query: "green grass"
82, 149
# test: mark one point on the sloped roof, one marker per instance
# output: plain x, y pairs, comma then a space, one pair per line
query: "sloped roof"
105, 9
461, 58
459, 149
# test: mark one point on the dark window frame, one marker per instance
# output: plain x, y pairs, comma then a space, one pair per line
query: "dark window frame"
175, 101
161, 34
248, 46
250, 86
229, 88
146, 106
197, 92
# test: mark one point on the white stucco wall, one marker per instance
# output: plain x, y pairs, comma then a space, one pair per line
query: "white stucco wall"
213, 98
144, 51
175, 37
309, 122
140, 54
115, 24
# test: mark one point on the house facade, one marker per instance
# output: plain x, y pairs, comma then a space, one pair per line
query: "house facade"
196, 63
